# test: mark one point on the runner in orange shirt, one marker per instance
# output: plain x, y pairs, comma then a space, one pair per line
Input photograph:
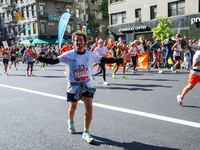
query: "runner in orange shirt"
65, 48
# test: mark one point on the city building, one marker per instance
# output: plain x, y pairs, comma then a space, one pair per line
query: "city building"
38, 19
131, 19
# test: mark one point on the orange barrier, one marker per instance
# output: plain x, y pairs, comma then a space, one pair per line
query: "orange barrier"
143, 61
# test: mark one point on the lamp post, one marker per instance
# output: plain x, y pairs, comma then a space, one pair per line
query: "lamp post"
84, 21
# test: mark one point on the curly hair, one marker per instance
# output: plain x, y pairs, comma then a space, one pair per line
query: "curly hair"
79, 33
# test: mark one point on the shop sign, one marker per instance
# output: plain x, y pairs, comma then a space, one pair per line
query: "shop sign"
133, 28
195, 20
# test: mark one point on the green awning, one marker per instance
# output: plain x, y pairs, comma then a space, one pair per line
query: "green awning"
39, 41
25, 42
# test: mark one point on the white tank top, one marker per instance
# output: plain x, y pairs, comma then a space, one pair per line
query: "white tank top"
178, 52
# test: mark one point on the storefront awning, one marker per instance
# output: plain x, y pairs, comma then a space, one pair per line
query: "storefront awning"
39, 41
25, 42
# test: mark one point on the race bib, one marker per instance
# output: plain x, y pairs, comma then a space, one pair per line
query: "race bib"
81, 74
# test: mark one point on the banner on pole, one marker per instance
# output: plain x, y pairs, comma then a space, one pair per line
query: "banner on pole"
64, 19
5, 44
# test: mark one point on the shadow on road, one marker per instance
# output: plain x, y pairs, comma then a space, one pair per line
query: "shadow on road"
190, 106
143, 87
122, 88
127, 146
157, 79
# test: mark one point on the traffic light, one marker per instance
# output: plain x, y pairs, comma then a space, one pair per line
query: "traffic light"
18, 16
34, 26
83, 30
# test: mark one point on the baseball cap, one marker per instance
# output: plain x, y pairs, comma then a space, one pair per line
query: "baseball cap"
132, 43
100, 40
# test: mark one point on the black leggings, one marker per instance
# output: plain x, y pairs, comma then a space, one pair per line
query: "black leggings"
134, 62
102, 69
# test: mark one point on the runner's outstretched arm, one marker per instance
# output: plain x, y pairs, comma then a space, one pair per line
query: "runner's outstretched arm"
116, 59
34, 55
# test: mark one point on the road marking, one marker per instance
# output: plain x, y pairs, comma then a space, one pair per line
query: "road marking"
139, 113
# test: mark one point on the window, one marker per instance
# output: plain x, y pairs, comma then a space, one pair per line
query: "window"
14, 30
78, 27
100, 15
22, 11
176, 8
78, 13
32, 9
27, 11
69, 28
113, 1
43, 28
68, 10
138, 13
95, 13
19, 29
24, 29
153, 12
118, 18
58, 10
9, 29
12, 14
41, 9
29, 31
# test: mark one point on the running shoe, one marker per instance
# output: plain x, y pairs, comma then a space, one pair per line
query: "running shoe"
160, 71
44, 69
105, 83
27, 75
15, 68
180, 100
135, 70
71, 128
113, 68
88, 137
31, 75
149, 68
93, 76
124, 76
6, 73
127, 68
113, 75
173, 70
41, 66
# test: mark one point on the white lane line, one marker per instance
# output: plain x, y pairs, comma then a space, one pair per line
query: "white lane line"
139, 113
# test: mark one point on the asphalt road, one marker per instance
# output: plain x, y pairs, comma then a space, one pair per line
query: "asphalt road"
137, 113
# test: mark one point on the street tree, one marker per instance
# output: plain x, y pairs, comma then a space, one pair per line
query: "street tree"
103, 8
92, 22
163, 30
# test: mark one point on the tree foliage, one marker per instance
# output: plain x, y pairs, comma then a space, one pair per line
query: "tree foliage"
163, 30
103, 8
93, 24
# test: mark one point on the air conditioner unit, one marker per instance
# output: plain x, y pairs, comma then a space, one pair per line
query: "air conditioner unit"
138, 19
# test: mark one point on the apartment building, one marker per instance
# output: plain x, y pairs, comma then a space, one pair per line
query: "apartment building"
131, 19
40, 19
